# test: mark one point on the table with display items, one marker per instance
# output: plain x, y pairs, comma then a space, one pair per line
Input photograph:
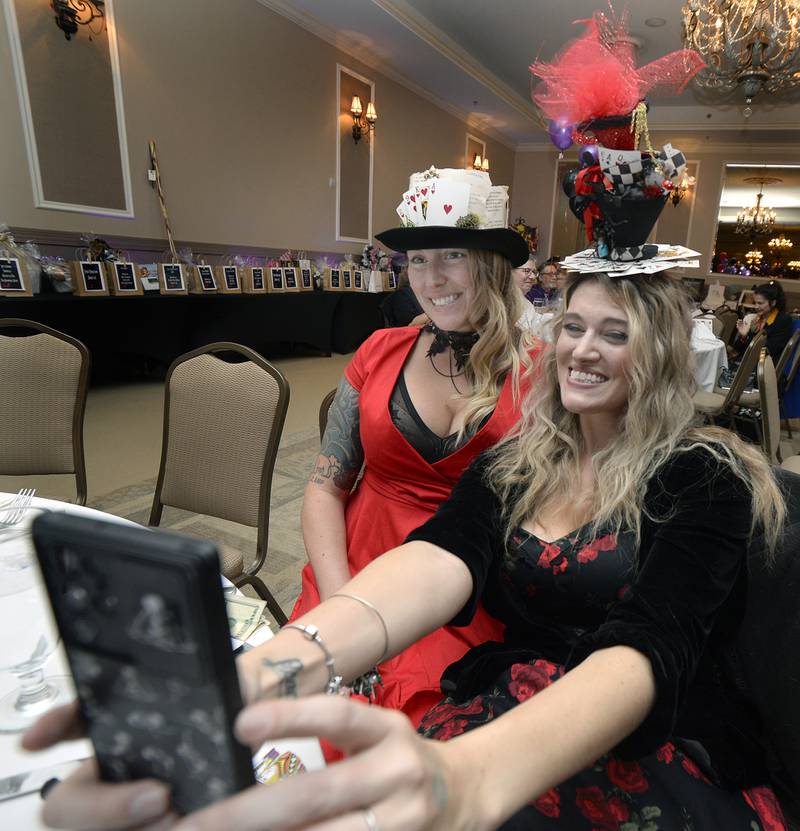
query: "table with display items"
119, 330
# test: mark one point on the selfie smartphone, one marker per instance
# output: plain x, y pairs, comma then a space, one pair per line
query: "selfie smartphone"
143, 621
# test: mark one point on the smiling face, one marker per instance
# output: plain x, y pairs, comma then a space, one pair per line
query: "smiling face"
525, 276
763, 306
593, 355
442, 282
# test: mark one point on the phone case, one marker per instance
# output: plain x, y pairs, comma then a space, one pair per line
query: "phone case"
143, 621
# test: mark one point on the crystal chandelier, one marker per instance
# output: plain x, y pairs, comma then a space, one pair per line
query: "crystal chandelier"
753, 257
752, 44
757, 220
780, 243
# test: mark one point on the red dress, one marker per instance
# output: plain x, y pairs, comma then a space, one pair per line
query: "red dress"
397, 493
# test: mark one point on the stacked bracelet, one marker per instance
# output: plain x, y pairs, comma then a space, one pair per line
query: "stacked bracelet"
373, 609
312, 633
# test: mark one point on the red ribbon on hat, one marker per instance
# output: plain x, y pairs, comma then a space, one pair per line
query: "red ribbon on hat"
585, 183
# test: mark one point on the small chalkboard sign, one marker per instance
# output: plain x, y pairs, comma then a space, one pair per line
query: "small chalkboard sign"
228, 279
335, 283
89, 278
290, 279
11, 278
122, 280
275, 280
347, 279
171, 279
358, 280
306, 280
207, 280
254, 280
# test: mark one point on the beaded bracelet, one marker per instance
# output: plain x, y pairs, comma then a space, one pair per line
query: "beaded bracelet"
312, 633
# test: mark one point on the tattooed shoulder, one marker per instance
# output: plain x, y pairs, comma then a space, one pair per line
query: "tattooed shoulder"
341, 454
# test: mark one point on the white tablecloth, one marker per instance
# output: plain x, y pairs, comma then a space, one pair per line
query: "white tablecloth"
709, 358
22, 813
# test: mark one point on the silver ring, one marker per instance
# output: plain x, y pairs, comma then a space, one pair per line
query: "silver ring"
371, 820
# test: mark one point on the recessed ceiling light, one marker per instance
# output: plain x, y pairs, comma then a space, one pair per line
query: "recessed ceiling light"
655, 22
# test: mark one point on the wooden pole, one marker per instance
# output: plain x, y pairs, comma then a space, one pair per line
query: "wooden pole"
161, 199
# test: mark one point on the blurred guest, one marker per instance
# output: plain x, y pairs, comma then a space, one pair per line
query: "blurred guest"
550, 283
770, 318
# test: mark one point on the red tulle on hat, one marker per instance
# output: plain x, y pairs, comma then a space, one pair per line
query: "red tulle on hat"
595, 76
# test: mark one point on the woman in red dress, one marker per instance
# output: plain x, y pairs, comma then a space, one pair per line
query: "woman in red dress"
415, 406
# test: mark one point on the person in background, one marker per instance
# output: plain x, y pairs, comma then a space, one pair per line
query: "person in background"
771, 318
401, 307
611, 537
548, 289
525, 278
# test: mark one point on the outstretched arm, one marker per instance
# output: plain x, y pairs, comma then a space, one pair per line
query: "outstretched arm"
335, 472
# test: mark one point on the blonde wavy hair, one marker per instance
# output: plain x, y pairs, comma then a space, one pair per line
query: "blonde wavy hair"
539, 463
496, 308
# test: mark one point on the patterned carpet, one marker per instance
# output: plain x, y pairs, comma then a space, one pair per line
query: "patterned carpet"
285, 552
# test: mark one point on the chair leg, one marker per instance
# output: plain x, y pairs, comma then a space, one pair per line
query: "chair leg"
265, 594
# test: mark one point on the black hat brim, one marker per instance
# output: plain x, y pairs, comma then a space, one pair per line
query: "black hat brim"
502, 240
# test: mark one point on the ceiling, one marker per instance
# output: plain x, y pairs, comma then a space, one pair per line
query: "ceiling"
472, 56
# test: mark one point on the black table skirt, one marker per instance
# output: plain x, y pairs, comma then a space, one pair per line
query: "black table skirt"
158, 328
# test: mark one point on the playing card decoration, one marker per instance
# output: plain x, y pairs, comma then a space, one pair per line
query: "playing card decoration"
453, 198
618, 192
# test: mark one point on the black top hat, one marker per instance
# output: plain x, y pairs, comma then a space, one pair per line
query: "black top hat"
504, 241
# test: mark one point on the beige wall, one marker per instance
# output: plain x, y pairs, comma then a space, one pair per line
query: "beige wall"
534, 180
242, 104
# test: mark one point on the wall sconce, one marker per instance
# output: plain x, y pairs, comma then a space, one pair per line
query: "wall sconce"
680, 191
362, 124
479, 163
69, 14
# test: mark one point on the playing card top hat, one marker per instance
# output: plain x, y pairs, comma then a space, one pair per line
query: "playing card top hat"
453, 208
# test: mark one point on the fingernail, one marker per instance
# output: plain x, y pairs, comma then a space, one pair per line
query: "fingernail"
148, 804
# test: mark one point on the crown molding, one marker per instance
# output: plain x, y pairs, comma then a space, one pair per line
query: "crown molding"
420, 26
318, 29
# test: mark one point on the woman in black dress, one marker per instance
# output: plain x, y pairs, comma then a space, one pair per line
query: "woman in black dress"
610, 537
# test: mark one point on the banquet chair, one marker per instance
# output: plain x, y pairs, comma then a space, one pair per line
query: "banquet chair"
720, 402
44, 380
770, 422
324, 410
786, 369
222, 424
727, 318
764, 661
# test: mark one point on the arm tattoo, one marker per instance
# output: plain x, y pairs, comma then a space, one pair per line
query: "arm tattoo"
341, 454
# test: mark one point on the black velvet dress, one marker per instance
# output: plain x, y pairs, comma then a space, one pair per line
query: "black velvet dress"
694, 764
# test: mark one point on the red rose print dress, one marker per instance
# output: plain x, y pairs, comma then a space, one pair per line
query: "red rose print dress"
673, 789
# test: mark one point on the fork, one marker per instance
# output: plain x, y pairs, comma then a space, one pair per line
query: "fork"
15, 511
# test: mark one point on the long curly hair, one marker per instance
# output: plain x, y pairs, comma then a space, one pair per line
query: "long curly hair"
496, 308
538, 464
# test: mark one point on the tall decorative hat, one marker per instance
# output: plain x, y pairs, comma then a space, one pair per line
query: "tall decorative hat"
455, 208
594, 95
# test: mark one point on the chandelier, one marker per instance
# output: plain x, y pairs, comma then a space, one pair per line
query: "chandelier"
753, 257
752, 44
757, 220
780, 243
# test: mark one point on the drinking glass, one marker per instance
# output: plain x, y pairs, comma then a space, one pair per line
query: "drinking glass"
28, 634
539, 304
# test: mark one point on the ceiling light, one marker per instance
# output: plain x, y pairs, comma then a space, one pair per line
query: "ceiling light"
655, 22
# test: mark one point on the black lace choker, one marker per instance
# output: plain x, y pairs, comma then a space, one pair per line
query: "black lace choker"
460, 343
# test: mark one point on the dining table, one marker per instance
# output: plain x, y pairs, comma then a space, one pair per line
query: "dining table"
21, 813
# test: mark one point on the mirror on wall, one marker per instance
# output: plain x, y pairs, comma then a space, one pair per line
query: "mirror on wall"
764, 245
354, 160
70, 96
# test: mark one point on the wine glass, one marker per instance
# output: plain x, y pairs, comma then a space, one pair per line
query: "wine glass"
28, 634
